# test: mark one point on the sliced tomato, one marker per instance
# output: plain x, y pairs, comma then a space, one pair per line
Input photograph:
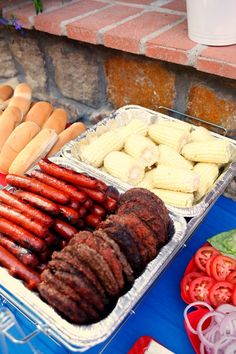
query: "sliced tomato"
199, 288
185, 282
203, 255
232, 277
221, 267
209, 264
220, 293
234, 296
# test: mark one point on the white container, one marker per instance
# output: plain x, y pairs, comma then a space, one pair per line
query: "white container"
212, 22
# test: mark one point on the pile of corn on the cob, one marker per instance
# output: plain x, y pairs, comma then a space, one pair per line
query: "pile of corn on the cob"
177, 162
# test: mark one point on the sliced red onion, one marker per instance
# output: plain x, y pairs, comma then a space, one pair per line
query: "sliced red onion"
231, 348
221, 345
201, 336
194, 304
228, 324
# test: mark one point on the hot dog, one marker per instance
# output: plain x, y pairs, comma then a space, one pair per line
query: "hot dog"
21, 236
26, 222
101, 186
19, 270
25, 256
78, 179
64, 229
88, 203
110, 204
74, 204
34, 186
39, 202
15, 202
82, 211
69, 214
61, 185
93, 220
98, 210
95, 195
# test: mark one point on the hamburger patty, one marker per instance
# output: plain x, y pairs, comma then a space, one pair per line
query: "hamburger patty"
78, 281
143, 235
97, 263
146, 212
62, 304
69, 292
127, 245
134, 193
105, 250
69, 255
127, 270
145, 196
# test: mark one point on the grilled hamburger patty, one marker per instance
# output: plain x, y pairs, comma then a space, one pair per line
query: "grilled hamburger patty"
105, 250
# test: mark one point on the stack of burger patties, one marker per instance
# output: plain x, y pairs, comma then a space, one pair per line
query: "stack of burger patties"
84, 281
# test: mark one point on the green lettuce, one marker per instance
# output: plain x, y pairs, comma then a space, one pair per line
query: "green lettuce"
225, 242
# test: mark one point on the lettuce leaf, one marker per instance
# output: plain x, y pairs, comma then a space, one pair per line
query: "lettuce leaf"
225, 242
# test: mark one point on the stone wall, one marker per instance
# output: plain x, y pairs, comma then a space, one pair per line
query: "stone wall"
90, 81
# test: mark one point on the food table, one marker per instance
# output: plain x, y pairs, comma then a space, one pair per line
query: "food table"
160, 313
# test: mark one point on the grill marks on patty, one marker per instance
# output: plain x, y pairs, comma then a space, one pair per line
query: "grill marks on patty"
84, 281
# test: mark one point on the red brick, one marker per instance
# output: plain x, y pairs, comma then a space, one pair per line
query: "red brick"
26, 14
86, 29
177, 5
171, 45
50, 22
218, 60
127, 36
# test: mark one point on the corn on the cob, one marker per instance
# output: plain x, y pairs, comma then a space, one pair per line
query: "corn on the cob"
98, 149
169, 156
124, 167
173, 137
175, 179
142, 148
200, 134
175, 124
208, 172
214, 151
147, 181
136, 126
177, 199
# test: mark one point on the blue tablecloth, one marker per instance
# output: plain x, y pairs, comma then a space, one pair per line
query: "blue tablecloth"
160, 313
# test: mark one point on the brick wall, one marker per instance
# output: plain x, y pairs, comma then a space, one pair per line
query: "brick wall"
91, 80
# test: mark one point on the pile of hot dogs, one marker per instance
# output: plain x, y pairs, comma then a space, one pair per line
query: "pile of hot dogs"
43, 211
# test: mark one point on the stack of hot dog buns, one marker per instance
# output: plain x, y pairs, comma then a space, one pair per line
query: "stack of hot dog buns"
43, 211
29, 132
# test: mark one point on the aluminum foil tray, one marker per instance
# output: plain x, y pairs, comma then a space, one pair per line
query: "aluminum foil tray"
81, 338
123, 116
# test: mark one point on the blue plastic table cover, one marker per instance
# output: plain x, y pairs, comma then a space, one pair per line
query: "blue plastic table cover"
160, 313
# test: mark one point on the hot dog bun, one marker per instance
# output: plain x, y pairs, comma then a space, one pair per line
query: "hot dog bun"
9, 119
6, 92
34, 151
17, 140
39, 113
20, 102
67, 135
23, 90
57, 120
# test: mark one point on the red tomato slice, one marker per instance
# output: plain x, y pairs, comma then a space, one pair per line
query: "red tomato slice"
209, 263
221, 293
232, 277
185, 282
199, 288
203, 255
234, 296
221, 267
191, 267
